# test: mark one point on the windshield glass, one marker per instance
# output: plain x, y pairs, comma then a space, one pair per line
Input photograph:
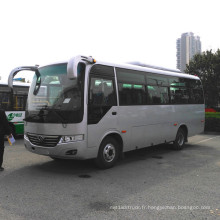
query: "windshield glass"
54, 98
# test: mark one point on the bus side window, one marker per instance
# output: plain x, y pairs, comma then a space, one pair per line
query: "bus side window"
102, 97
5, 100
196, 92
158, 95
102, 92
179, 95
164, 95
19, 103
96, 94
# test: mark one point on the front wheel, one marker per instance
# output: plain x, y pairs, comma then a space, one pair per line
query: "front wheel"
179, 142
108, 153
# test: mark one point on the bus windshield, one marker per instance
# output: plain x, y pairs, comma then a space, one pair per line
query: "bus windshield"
54, 98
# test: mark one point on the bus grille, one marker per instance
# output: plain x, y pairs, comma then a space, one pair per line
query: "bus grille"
44, 140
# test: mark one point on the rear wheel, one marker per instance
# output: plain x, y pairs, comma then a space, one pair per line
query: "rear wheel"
179, 142
108, 153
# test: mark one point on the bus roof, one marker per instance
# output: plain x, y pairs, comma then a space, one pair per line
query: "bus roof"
152, 69
141, 67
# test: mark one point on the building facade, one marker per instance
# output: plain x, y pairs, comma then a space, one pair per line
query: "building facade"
187, 46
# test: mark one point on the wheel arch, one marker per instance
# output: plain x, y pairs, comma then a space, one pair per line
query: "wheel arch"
117, 137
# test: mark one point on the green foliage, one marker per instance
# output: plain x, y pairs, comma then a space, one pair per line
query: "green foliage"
207, 67
212, 114
212, 124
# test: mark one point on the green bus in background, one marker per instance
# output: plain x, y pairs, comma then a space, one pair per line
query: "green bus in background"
14, 102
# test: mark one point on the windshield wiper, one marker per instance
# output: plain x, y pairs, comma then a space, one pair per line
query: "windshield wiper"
54, 110
48, 110
64, 122
34, 116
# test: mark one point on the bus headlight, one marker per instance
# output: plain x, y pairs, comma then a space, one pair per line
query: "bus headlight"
73, 138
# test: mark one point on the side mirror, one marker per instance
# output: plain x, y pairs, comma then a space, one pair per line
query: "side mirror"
18, 69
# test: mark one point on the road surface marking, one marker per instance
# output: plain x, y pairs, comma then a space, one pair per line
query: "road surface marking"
207, 139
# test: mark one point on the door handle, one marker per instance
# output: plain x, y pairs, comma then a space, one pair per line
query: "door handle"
114, 113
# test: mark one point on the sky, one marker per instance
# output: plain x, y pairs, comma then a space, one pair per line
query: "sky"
45, 31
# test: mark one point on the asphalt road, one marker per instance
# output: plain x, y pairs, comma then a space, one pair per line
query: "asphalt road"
152, 183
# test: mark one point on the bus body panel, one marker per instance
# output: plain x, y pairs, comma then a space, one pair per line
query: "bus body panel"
143, 126
141, 122
194, 116
108, 124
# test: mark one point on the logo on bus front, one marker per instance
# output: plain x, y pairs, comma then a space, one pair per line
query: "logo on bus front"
11, 116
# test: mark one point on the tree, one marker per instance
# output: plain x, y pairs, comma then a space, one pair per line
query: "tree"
207, 67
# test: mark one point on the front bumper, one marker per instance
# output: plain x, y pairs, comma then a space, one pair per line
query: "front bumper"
72, 150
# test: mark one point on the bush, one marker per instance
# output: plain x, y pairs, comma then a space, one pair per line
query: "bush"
212, 124
212, 120
212, 115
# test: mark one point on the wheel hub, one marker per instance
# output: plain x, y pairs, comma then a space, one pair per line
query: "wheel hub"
109, 152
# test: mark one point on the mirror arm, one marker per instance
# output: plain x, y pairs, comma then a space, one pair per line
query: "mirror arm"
18, 69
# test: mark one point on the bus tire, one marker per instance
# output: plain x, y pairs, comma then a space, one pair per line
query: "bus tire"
179, 142
108, 153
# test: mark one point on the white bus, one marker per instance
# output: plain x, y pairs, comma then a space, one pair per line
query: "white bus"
14, 102
85, 109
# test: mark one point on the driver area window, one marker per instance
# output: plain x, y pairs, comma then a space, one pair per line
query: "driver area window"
102, 97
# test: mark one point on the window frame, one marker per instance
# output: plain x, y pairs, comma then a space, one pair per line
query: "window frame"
181, 83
